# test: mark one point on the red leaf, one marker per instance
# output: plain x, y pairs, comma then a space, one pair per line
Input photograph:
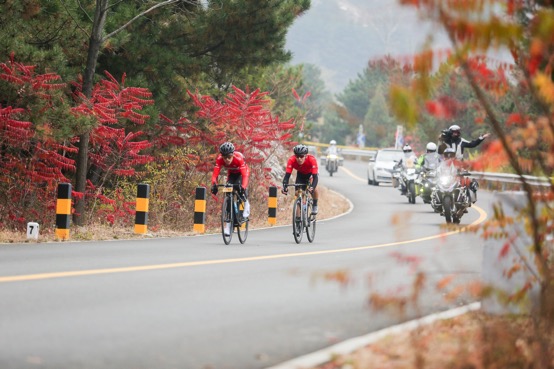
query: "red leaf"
504, 251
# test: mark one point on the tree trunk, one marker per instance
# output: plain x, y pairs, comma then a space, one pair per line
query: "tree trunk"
88, 80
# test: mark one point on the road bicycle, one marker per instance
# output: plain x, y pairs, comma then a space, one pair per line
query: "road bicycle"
231, 214
302, 218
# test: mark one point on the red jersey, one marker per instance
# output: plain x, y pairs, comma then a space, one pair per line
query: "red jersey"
308, 167
238, 165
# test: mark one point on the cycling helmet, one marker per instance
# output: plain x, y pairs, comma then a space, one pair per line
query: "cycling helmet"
300, 149
333, 142
449, 153
455, 129
407, 148
431, 147
226, 148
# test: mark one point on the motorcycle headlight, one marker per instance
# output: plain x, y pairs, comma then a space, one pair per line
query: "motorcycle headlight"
445, 180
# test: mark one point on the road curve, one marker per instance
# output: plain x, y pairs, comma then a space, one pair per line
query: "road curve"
193, 302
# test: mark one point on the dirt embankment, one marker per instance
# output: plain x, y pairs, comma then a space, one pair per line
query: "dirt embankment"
330, 204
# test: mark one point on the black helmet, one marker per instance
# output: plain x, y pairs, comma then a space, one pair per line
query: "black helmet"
300, 149
226, 148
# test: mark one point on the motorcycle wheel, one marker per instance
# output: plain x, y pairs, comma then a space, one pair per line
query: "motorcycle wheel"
447, 208
411, 193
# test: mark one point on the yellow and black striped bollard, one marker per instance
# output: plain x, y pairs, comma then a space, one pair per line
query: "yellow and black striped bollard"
272, 206
141, 213
63, 211
200, 210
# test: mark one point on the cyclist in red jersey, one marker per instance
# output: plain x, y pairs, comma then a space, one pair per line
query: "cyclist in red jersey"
237, 171
306, 170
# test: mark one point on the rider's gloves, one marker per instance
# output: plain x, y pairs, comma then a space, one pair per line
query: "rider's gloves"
214, 189
285, 190
243, 194
310, 189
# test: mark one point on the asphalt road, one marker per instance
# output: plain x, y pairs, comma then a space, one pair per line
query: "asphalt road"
195, 303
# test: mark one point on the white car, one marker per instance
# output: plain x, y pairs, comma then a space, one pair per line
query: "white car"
380, 166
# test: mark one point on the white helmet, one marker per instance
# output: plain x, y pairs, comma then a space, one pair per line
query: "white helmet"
333, 142
431, 147
407, 148
449, 153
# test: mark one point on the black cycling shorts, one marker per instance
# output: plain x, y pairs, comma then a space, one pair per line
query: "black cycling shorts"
303, 178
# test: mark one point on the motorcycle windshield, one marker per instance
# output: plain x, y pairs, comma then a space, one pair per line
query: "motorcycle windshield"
447, 177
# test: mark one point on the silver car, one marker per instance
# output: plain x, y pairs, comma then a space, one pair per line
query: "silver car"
380, 166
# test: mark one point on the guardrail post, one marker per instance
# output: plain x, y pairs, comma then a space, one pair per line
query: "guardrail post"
272, 206
200, 210
141, 213
63, 211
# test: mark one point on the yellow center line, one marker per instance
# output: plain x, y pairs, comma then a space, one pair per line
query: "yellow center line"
79, 273
352, 174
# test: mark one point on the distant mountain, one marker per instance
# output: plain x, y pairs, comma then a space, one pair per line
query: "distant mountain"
341, 36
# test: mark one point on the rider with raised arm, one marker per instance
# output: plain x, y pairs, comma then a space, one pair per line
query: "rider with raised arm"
237, 172
452, 138
306, 169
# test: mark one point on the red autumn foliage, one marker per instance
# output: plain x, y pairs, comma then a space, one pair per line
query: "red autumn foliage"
245, 119
32, 165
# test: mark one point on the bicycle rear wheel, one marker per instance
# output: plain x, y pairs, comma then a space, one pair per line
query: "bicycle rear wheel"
242, 227
310, 223
297, 220
227, 220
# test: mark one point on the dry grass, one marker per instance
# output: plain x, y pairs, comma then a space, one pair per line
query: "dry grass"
330, 204
472, 341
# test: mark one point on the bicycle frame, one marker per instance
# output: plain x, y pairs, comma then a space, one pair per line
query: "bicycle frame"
231, 214
306, 222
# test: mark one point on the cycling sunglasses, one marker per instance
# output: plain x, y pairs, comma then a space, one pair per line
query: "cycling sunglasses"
300, 156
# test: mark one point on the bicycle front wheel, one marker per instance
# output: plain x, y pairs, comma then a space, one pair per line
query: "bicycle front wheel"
242, 227
227, 220
310, 223
297, 220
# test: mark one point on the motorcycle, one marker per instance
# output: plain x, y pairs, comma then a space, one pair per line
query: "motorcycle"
332, 163
425, 183
405, 176
450, 196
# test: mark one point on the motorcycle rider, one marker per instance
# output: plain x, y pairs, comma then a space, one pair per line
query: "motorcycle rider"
450, 158
452, 138
409, 158
332, 149
237, 172
426, 163
431, 159
306, 169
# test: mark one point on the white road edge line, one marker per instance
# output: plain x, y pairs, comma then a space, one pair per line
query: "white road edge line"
346, 347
